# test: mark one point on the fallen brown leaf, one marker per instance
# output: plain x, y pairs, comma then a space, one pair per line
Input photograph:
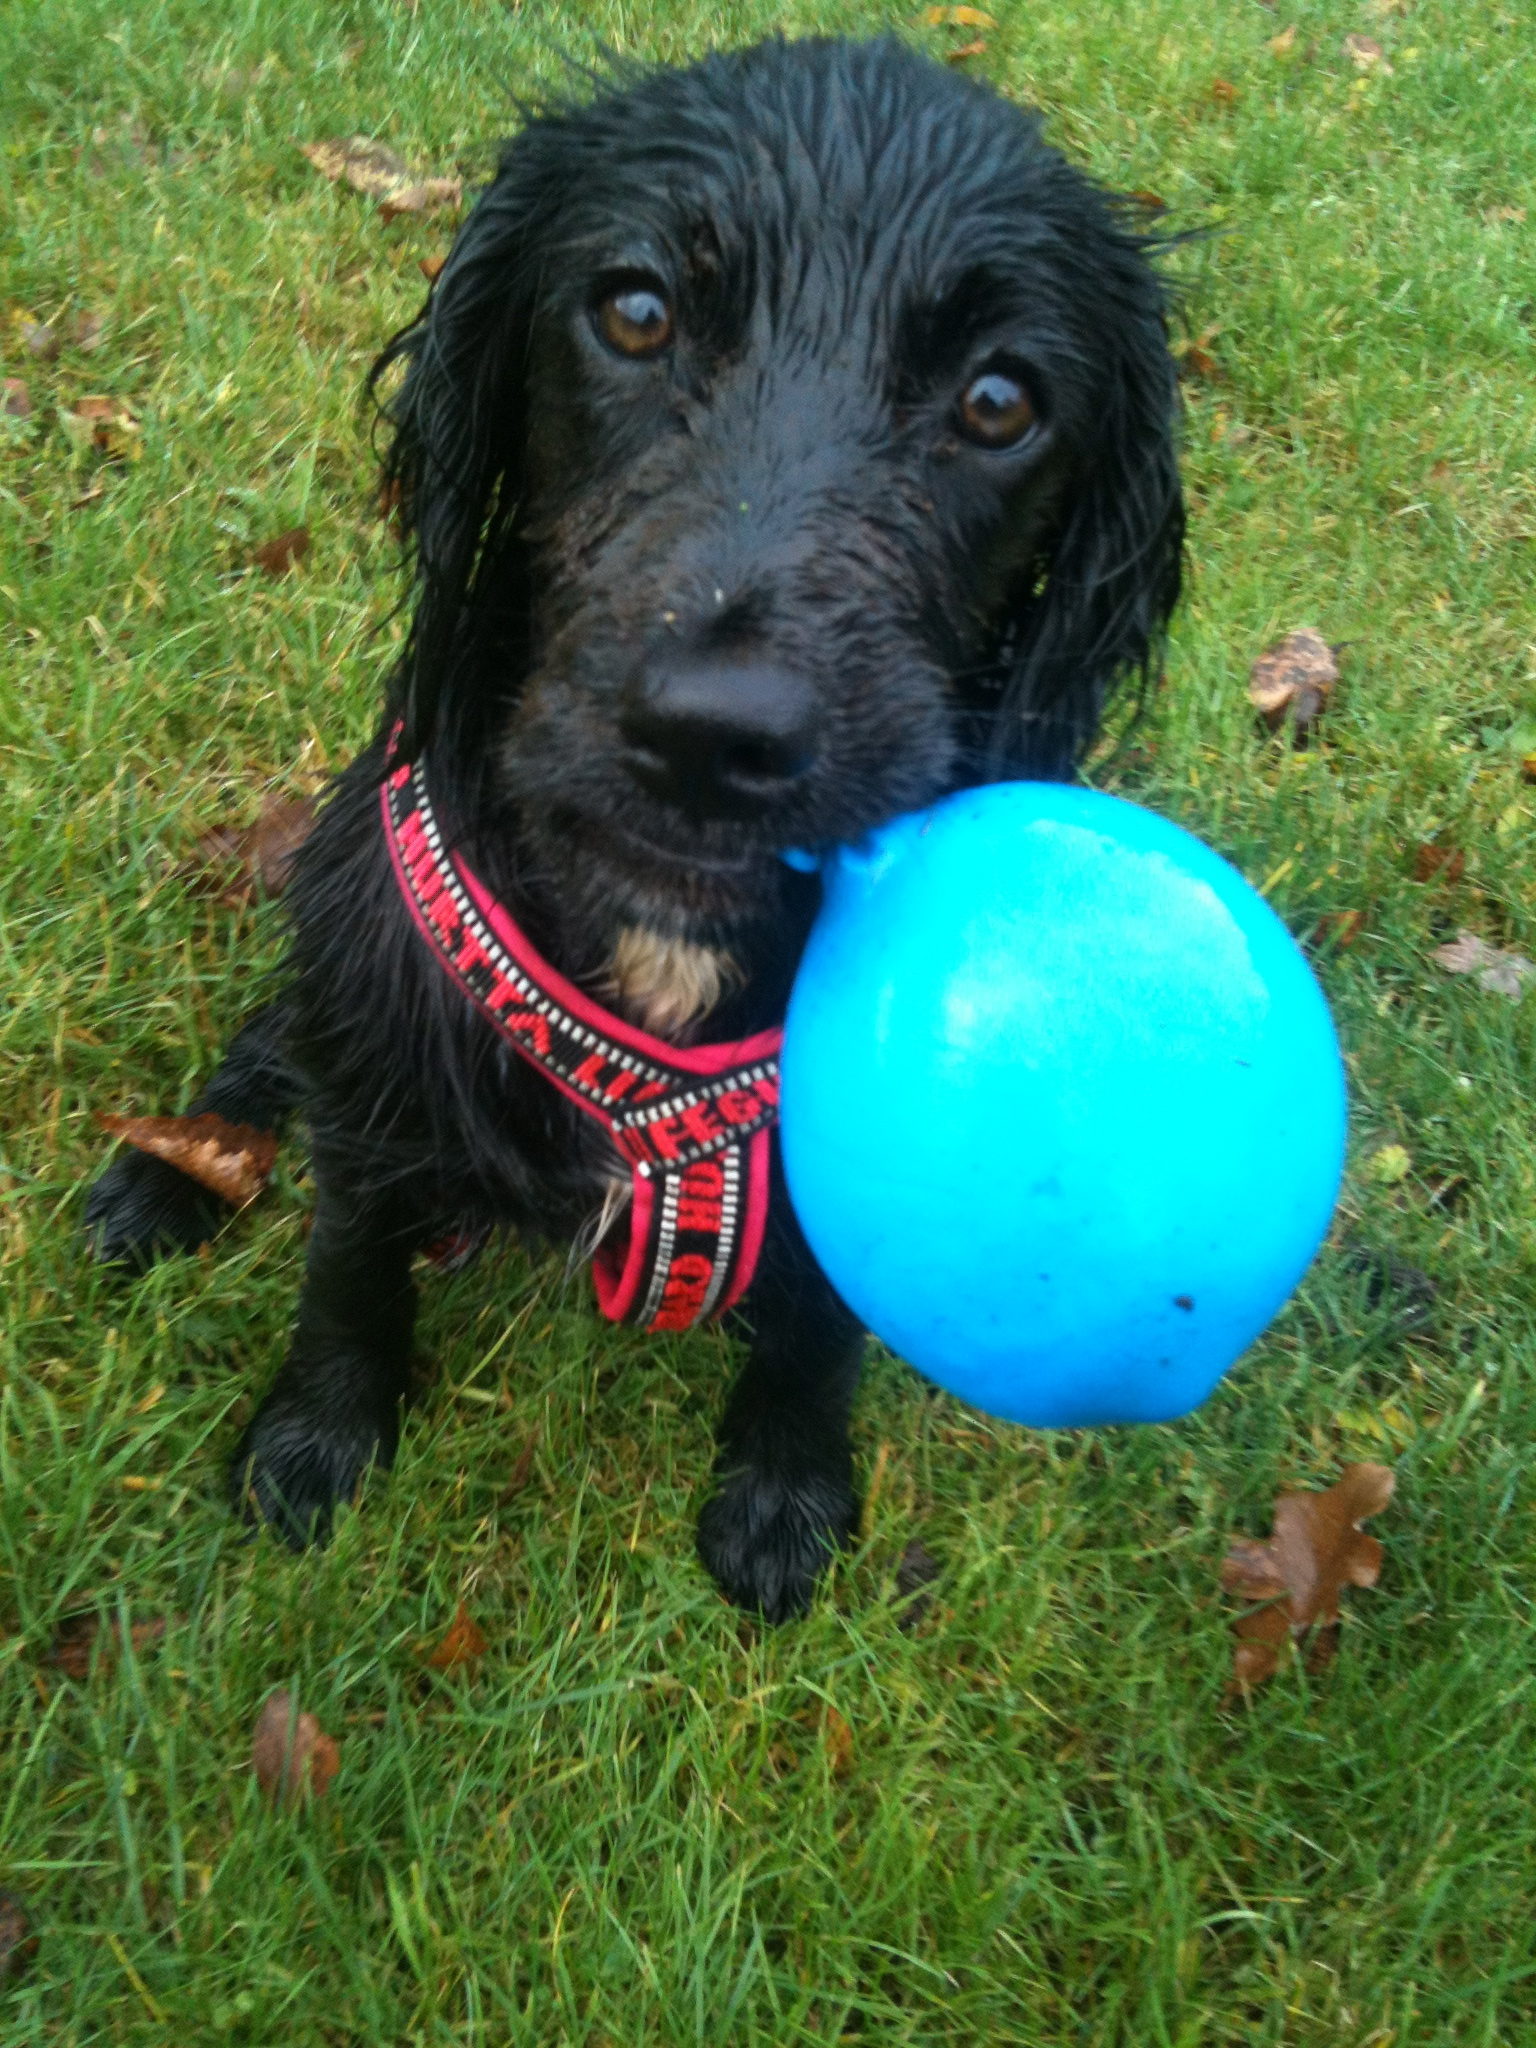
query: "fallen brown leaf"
88, 332
40, 339
1494, 215
914, 1575
957, 17
106, 424
518, 1477
16, 403
1282, 44
1154, 202
277, 556
836, 1742
18, 1940
1366, 54
1223, 92
1194, 355
429, 195
1291, 681
463, 1643
368, 167
246, 861
1339, 928
1528, 767
114, 149
234, 1160
961, 51
84, 1636
431, 267
381, 174
1504, 974
291, 1753
1431, 859
1299, 1572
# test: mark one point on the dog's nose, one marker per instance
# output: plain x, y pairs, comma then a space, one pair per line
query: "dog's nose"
719, 739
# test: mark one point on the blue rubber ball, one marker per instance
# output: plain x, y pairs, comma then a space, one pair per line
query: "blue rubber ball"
1063, 1109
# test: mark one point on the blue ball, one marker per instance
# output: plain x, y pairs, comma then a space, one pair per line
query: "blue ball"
1063, 1110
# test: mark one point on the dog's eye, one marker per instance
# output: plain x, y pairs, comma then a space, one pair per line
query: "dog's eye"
996, 410
635, 320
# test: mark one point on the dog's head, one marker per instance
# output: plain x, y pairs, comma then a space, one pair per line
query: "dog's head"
788, 439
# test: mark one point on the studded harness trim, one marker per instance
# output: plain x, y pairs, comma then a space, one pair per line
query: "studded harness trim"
691, 1123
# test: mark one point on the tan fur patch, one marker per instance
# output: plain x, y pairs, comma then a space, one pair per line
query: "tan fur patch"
666, 984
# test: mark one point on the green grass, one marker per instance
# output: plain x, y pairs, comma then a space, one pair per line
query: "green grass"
626, 1825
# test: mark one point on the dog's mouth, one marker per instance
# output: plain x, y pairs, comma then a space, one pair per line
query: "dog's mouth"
635, 849
692, 887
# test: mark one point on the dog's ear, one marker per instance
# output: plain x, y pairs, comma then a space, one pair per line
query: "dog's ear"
1095, 605
453, 470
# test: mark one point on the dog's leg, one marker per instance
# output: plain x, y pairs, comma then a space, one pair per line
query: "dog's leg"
141, 1207
785, 1500
334, 1409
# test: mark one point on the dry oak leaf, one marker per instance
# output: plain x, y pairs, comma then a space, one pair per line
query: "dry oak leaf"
1366, 54
291, 1753
1194, 356
427, 195
105, 424
1431, 859
463, 1642
257, 859
80, 1637
1293, 679
1317, 1549
914, 1575
42, 340
961, 51
521, 1471
18, 1939
234, 1160
15, 399
836, 1742
277, 556
1339, 928
368, 167
957, 17
1504, 974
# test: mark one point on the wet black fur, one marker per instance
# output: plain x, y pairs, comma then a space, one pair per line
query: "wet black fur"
849, 234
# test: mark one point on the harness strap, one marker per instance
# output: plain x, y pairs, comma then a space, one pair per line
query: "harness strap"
691, 1122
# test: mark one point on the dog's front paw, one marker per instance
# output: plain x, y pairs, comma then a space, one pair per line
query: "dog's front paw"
294, 1464
768, 1534
141, 1208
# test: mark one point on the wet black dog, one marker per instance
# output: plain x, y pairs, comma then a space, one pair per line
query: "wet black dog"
788, 440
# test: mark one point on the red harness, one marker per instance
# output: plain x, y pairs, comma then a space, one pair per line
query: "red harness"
691, 1122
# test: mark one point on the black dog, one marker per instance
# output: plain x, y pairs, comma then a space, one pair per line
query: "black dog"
788, 440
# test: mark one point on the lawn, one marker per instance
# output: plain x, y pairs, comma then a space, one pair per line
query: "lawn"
1026, 1812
